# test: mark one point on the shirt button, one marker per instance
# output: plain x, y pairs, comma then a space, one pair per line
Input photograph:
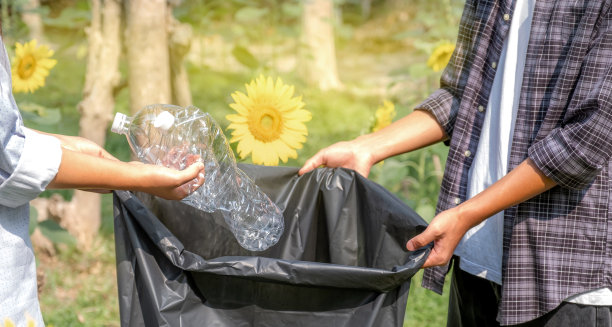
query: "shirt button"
494, 65
481, 108
457, 200
467, 153
506, 17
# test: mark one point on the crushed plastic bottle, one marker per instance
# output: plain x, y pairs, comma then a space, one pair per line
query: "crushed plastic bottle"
175, 137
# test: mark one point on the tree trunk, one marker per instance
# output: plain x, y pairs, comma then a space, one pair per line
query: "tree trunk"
366, 8
32, 19
319, 56
82, 215
147, 50
180, 36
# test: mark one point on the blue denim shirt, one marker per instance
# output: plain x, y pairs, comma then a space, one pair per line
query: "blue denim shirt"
28, 162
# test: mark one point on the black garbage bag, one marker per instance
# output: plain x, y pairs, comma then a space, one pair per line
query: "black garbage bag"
340, 262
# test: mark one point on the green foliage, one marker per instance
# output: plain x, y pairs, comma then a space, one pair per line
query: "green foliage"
38, 114
55, 233
425, 308
414, 177
69, 18
245, 57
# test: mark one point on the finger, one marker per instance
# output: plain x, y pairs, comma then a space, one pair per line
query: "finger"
136, 163
192, 159
419, 241
311, 164
191, 172
107, 155
436, 258
199, 181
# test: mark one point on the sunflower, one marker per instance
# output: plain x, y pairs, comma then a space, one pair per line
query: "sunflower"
31, 66
29, 322
440, 56
384, 116
269, 123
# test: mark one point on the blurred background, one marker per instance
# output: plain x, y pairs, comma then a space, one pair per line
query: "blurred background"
357, 64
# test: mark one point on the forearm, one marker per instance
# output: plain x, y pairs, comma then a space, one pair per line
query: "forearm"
521, 184
83, 171
449, 226
414, 131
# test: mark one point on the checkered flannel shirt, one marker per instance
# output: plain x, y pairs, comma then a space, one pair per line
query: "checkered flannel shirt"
560, 242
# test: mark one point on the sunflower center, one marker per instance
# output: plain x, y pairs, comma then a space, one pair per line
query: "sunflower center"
265, 124
27, 66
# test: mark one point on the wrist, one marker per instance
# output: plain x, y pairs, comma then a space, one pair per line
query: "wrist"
467, 215
366, 146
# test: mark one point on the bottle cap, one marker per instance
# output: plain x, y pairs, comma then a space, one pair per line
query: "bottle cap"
119, 123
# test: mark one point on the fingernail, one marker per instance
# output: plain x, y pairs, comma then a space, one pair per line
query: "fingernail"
201, 175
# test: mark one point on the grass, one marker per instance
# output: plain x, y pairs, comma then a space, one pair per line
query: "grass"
80, 287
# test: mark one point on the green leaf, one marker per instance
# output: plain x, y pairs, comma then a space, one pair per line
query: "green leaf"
33, 219
250, 14
32, 108
54, 232
49, 117
245, 57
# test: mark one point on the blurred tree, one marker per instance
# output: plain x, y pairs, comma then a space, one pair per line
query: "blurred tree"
31, 17
179, 39
147, 52
319, 56
82, 215
366, 8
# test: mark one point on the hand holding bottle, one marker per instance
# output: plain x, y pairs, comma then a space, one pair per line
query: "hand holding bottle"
172, 136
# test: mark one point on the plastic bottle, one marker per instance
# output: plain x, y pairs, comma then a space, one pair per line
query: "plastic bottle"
175, 137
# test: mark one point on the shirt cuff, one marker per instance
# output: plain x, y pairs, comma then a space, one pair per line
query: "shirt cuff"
561, 162
441, 105
38, 165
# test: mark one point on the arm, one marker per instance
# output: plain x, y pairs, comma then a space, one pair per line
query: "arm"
80, 144
448, 227
162, 181
84, 171
418, 129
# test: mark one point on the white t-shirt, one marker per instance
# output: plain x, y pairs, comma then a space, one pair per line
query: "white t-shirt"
481, 247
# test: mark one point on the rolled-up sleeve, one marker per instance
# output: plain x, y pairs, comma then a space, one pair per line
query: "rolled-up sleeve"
37, 166
574, 153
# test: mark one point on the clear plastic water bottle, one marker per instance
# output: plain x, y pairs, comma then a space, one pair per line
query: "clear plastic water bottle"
175, 137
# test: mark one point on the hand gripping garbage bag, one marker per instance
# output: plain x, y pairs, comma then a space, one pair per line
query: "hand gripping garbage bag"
341, 260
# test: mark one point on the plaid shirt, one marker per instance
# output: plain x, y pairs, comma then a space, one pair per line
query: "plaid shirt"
560, 242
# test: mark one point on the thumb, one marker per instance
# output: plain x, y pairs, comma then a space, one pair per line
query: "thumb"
310, 164
418, 241
192, 171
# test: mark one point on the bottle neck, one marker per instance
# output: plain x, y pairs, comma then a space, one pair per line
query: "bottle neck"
121, 124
